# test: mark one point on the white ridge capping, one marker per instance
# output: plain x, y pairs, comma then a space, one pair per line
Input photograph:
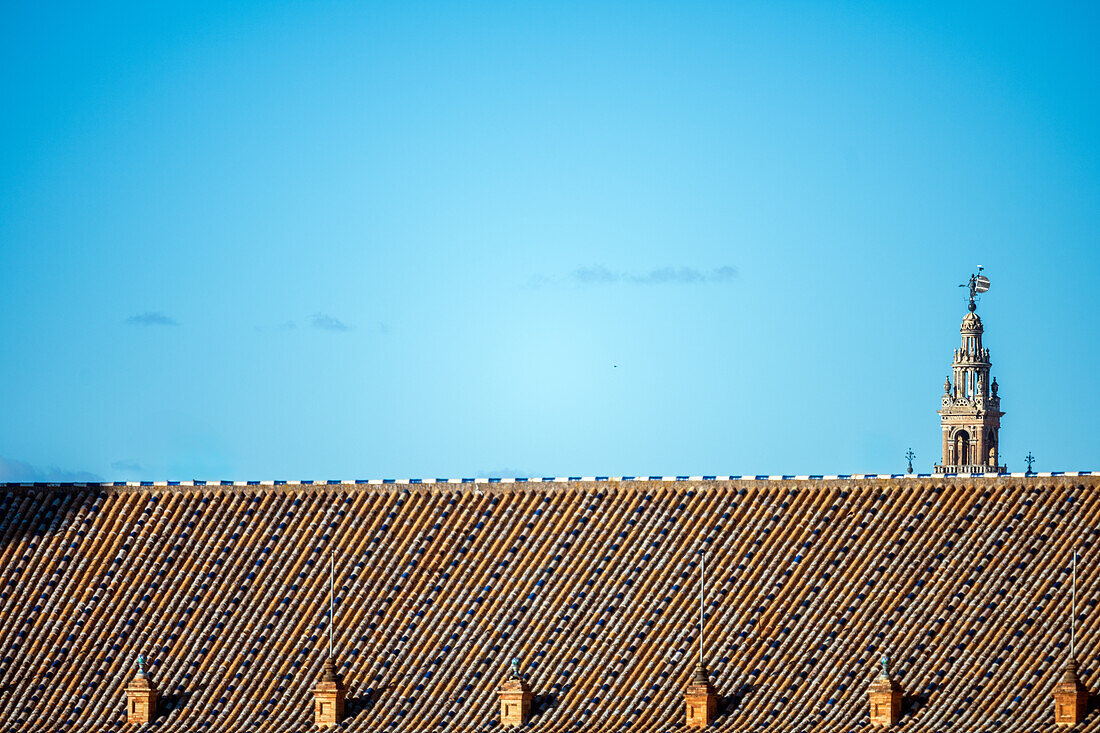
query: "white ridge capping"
539, 479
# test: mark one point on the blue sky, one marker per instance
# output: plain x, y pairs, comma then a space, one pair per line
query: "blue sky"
353, 240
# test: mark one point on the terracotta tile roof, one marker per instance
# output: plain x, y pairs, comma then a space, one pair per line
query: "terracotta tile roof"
961, 581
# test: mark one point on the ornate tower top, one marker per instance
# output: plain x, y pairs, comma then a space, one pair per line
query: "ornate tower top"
971, 413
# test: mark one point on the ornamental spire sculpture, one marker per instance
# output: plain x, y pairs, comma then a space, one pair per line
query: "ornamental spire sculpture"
700, 697
971, 413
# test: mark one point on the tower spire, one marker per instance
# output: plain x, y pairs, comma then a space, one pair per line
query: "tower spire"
1071, 697
1073, 612
331, 602
329, 694
700, 697
702, 598
970, 416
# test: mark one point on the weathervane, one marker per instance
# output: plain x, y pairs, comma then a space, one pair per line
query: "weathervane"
910, 455
978, 284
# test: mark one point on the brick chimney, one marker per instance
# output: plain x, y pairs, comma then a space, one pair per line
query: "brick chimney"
1071, 698
141, 698
328, 697
885, 698
701, 699
515, 699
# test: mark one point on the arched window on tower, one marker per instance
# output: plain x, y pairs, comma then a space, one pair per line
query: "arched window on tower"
962, 448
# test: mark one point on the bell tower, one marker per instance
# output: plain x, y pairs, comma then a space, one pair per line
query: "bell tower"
971, 412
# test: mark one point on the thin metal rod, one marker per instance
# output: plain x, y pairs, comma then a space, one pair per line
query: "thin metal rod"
1073, 612
702, 592
331, 583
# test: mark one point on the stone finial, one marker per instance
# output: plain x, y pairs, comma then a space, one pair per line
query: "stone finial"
141, 697
515, 701
1071, 697
329, 696
885, 698
700, 699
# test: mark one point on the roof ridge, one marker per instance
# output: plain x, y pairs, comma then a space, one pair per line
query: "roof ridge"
482, 481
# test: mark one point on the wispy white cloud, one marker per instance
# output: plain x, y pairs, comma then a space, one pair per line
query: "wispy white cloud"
324, 322
684, 275
506, 473
21, 471
597, 274
151, 318
600, 275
